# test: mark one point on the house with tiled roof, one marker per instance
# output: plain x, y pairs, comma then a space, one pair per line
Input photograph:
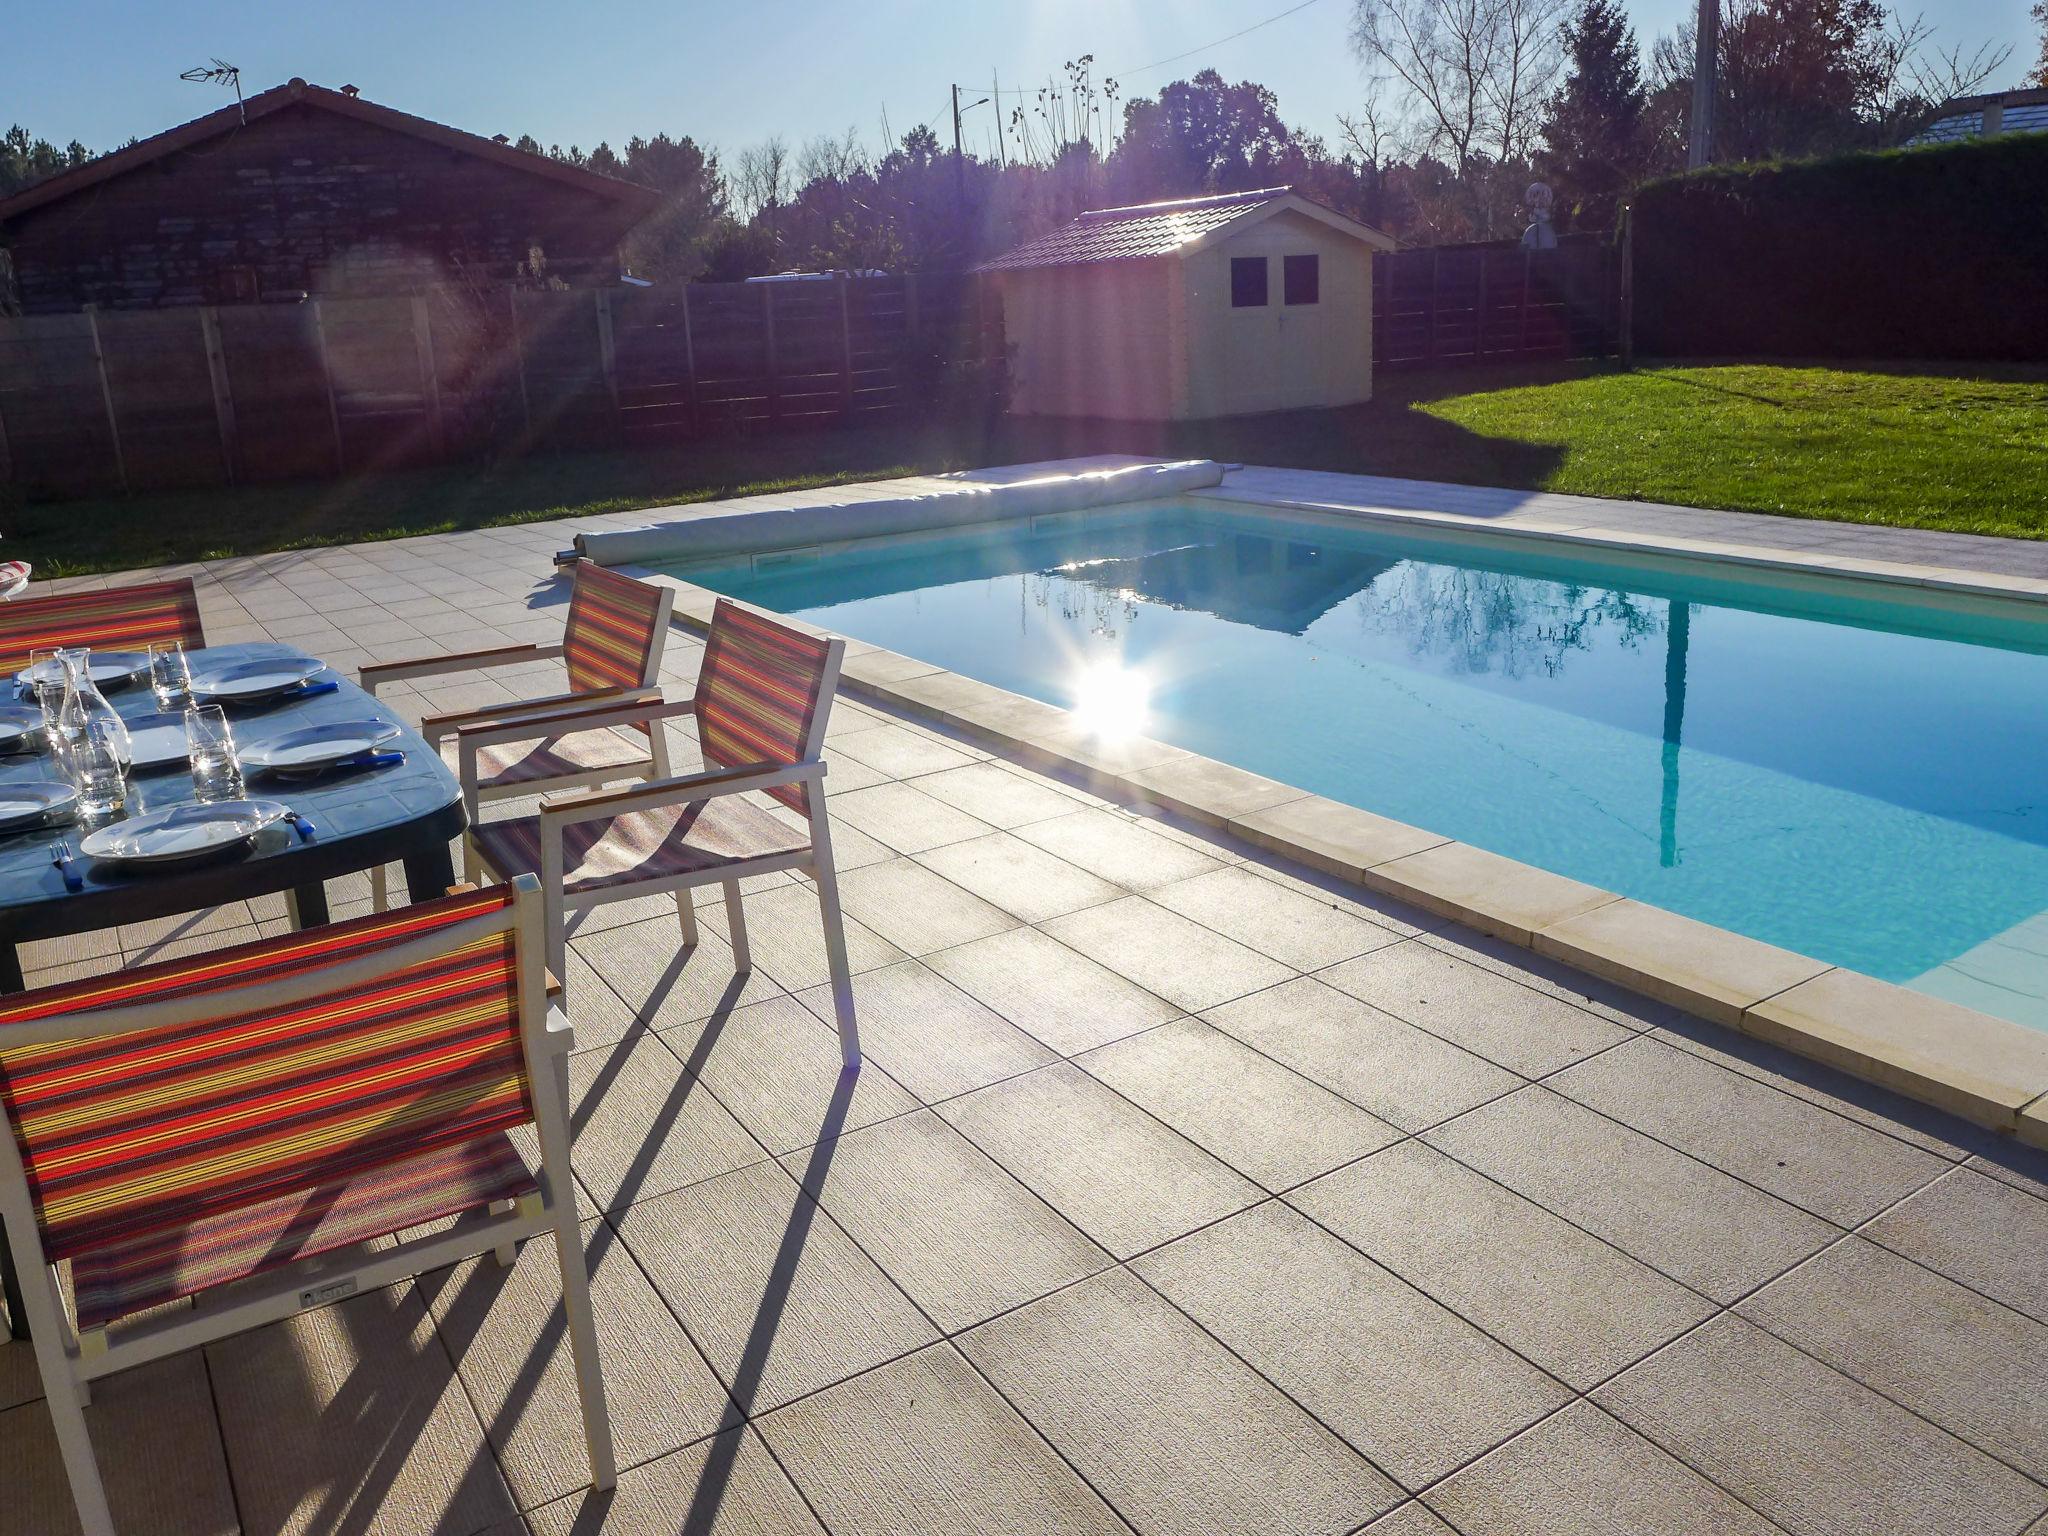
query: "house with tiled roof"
303, 190
1206, 306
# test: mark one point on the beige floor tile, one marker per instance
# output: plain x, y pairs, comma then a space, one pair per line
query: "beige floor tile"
159, 1453
1000, 796
1188, 965
664, 985
1978, 1230
777, 1067
350, 1418
20, 1381
1406, 1076
1411, 1519
643, 1126
1119, 849
1582, 1473
1819, 1161
1009, 873
925, 1447
778, 1298
929, 1035
1809, 1448
1411, 1385
899, 752
1173, 1430
1293, 927
1570, 1303
1696, 1225
1520, 1028
1969, 1364
727, 1486
1267, 1122
505, 1330
962, 1237
916, 910
1118, 1174
1052, 992
787, 937
904, 818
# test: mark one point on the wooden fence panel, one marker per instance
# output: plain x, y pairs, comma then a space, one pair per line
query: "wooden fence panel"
1455, 306
145, 399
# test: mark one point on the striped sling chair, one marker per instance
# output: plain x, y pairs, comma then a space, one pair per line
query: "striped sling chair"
764, 693
257, 1115
107, 619
611, 650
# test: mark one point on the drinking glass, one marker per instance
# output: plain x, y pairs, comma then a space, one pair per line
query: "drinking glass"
96, 767
46, 677
216, 775
170, 674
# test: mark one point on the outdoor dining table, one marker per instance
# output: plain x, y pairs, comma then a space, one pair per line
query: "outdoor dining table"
358, 819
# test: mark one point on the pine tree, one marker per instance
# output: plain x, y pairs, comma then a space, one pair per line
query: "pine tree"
1593, 134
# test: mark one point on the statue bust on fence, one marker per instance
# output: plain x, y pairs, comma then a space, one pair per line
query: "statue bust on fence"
1539, 236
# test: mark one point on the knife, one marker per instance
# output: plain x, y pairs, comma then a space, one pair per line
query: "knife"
303, 825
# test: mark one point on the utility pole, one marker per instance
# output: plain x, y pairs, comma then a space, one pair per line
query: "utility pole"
1706, 59
995, 91
959, 161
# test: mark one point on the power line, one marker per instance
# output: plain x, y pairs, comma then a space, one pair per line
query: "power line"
1121, 74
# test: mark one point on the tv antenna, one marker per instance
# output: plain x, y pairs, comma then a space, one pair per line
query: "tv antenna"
220, 72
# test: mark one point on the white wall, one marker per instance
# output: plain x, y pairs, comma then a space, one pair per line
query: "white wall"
1101, 340
1279, 357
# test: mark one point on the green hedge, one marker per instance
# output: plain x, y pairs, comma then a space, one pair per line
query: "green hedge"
1939, 252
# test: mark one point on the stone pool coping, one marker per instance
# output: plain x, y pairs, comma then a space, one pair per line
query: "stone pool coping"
1990, 1071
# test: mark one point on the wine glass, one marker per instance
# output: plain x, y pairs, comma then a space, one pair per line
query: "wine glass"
170, 674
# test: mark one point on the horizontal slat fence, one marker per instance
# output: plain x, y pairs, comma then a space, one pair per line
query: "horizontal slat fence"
1453, 306
175, 398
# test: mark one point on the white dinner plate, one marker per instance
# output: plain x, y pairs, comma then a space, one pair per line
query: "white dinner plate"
183, 832
33, 803
254, 679
18, 722
109, 669
157, 741
314, 747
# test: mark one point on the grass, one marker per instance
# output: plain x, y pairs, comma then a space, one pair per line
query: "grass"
1963, 449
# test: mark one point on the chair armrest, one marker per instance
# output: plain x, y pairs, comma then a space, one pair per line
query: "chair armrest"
379, 673
559, 811
435, 727
610, 712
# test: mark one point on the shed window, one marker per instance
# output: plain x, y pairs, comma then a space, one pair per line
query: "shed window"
1300, 279
1247, 282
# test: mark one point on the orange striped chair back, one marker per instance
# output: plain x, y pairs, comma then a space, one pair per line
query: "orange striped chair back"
758, 694
140, 1131
615, 631
110, 619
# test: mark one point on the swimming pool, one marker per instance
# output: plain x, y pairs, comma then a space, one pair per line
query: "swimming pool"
1818, 763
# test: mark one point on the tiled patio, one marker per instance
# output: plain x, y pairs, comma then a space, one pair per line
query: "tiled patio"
1179, 1191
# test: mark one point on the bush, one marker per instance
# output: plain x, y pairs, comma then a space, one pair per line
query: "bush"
1939, 252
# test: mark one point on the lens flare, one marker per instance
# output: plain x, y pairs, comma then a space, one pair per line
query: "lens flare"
1112, 700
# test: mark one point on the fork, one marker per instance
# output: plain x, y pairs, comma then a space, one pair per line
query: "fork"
60, 856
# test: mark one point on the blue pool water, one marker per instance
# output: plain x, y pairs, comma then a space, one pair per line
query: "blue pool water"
1804, 761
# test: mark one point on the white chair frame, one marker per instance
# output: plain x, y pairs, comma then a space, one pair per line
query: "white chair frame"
436, 729
558, 813
71, 1362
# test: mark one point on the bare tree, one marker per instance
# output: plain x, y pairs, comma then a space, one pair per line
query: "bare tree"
828, 159
760, 178
1472, 75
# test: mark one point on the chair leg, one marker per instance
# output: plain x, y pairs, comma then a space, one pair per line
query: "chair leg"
380, 898
686, 914
558, 945
65, 1395
835, 960
597, 1422
736, 921
507, 1254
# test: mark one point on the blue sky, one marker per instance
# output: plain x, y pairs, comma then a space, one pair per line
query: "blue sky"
728, 74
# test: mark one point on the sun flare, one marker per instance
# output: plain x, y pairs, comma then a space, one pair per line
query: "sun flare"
1112, 700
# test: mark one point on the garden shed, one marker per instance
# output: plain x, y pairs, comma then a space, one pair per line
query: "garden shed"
1209, 306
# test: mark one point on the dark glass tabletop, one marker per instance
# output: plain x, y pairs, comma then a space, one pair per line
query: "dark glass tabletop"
360, 819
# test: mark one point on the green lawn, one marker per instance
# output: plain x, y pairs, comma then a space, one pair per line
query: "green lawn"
1931, 447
